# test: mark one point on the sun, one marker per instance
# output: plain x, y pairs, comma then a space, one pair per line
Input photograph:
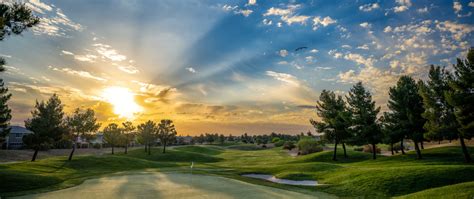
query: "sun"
123, 101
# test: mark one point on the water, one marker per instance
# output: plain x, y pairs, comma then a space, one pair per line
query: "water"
282, 181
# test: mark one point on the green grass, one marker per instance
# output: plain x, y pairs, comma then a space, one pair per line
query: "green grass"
461, 190
357, 175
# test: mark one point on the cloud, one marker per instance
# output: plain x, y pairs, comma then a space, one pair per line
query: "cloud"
359, 59
471, 4
67, 52
252, 3
229, 7
245, 13
283, 53
38, 6
335, 54
363, 47
369, 7
457, 7
53, 21
191, 70
287, 15
128, 69
423, 10
279, 11
83, 74
387, 29
301, 19
326, 21
284, 77
458, 31
403, 5
267, 22
365, 25
108, 52
314, 50
85, 58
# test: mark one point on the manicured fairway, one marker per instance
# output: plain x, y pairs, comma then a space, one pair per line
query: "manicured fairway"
169, 185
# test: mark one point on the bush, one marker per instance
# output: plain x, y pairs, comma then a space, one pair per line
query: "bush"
289, 145
368, 149
275, 139
279, 143
308, 145
96, 146
358, 148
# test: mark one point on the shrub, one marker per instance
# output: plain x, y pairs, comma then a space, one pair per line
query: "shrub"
96, 146
307, 145
275, 139
368, 149
289, 145
358, 148
279, 143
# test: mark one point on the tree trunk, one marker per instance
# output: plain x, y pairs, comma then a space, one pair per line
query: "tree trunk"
126, 148
164, 147
34, 155
146, 147
149, 149
439, 141
418, 152
335, 151
467, 157
402, 147
391, 148
344, 147
112, 149
374, 151
421, 143
72, 152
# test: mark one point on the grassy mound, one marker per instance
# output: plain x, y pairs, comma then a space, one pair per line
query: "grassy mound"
461, 190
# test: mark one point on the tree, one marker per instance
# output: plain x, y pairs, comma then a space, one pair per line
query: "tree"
147, 134
47, 125
5, 112
166, 133
331, 109
439, 114
128, 134
461, 97
82, 124
363, 117
406, 108
112, 135
391, 131
14, 18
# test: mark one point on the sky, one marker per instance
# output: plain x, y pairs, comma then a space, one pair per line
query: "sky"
228, 67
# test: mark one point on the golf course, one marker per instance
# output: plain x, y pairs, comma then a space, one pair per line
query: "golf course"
217, 173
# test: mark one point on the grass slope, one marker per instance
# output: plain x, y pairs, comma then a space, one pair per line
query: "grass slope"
357, 175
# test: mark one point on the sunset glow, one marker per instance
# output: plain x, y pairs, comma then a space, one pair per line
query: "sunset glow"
123, 102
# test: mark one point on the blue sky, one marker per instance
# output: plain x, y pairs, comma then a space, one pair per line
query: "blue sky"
227, 66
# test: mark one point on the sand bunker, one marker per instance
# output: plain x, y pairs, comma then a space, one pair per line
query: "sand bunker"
282, 181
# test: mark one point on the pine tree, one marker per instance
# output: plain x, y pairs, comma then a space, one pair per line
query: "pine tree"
332, 111
363, 117
47, 125
5, 112
440, 119
461, 97
406, 107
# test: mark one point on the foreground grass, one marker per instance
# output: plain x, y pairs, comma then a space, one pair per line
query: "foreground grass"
357, 175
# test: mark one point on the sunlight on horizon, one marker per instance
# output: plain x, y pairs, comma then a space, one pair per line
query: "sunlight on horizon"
123, 101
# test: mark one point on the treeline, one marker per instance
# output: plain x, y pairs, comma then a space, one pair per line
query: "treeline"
50, 126
210, 138
441, 108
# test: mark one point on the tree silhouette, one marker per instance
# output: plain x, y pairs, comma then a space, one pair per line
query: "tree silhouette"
112, 135
128, 134
147, 134
461, 97
47, 125
166, 133
363, 117
81, 124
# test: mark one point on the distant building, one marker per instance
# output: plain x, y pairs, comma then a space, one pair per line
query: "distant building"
15, 139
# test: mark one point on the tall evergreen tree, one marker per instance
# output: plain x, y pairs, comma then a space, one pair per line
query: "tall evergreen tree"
461, 97
363, 112
406, 107
440, 119
14, 18
47, 125
331, 109
81, 124
5, 112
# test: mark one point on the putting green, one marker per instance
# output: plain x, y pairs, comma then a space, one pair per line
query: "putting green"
169, 185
